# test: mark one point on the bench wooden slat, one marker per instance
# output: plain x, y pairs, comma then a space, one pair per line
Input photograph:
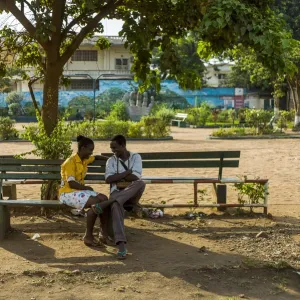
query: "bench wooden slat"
186, 155
44, 176
41, 162
43, 203
44, 169
28, 162
190, 164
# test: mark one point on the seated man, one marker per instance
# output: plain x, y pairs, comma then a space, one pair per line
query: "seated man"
123, 173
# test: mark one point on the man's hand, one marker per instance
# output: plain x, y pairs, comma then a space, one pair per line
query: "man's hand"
118, 177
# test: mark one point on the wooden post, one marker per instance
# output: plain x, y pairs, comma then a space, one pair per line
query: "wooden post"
4, 221
195, 193
219, 192
221, 196
10, 191
266, 186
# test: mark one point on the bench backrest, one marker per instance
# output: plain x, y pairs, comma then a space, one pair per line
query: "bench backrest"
180, 160
181, 115
19, 169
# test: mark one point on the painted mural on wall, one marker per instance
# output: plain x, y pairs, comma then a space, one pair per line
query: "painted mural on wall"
171, 93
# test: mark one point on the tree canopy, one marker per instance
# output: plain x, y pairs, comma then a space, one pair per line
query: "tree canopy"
54, 29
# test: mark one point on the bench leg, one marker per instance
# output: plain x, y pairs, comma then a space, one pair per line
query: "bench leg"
4, 221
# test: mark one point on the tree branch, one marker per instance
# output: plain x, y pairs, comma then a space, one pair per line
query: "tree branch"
20, 16
112, 5
30, 83
30, 7
70, 25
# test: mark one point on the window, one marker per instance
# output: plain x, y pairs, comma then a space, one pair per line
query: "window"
122, 64
83, 84
222, 76
85, 55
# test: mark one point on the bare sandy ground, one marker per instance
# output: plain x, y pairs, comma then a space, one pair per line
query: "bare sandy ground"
216, 257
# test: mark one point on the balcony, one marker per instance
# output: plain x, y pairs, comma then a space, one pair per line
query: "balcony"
95, 74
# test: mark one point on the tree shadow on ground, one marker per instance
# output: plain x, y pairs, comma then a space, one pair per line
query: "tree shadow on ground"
153, 250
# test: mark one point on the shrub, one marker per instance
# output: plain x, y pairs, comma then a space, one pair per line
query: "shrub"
241, 114
223, 116
284, 118
115, 127
15, 109
3, 111
258, 118
119, 112
232, 115
89, 114
7, 130
254, 192
155, 127
234, 131
14, 97
55, 146
165, 114
135, 130
199, 116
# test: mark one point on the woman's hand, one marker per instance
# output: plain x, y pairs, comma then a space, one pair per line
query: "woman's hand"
89, 188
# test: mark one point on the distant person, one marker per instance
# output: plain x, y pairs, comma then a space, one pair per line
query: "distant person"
75, 193
123, 172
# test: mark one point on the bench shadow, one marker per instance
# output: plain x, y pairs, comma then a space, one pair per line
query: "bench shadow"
153, 253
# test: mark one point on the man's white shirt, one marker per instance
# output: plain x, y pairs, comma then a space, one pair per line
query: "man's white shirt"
114, 166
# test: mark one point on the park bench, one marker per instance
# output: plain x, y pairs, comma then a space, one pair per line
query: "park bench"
180, 120
37, 171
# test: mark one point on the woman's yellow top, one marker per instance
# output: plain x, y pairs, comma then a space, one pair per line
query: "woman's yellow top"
73, 169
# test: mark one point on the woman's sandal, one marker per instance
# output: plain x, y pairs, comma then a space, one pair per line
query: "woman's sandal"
94, 244
97, 209
122, 254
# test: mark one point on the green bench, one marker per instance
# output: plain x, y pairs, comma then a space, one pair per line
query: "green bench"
14, 172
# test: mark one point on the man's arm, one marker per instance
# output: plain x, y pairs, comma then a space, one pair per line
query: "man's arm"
131, 177
118, 177
136, 171
111, 174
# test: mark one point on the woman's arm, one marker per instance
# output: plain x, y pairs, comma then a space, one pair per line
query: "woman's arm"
77, 186
101, 157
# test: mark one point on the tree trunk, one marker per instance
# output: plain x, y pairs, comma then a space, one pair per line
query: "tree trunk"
276, 107
297, 107
30, 83
50, 97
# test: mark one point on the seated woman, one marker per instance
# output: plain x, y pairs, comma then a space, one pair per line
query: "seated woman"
74, 193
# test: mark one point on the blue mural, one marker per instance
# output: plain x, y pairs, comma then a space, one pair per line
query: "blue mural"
214, 96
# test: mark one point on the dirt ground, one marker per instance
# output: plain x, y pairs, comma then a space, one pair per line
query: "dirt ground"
215, 256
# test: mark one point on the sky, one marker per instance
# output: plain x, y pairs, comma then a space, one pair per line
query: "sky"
112, 27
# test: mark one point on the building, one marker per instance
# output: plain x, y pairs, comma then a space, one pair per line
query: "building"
90, 62
90, 65
216, 72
